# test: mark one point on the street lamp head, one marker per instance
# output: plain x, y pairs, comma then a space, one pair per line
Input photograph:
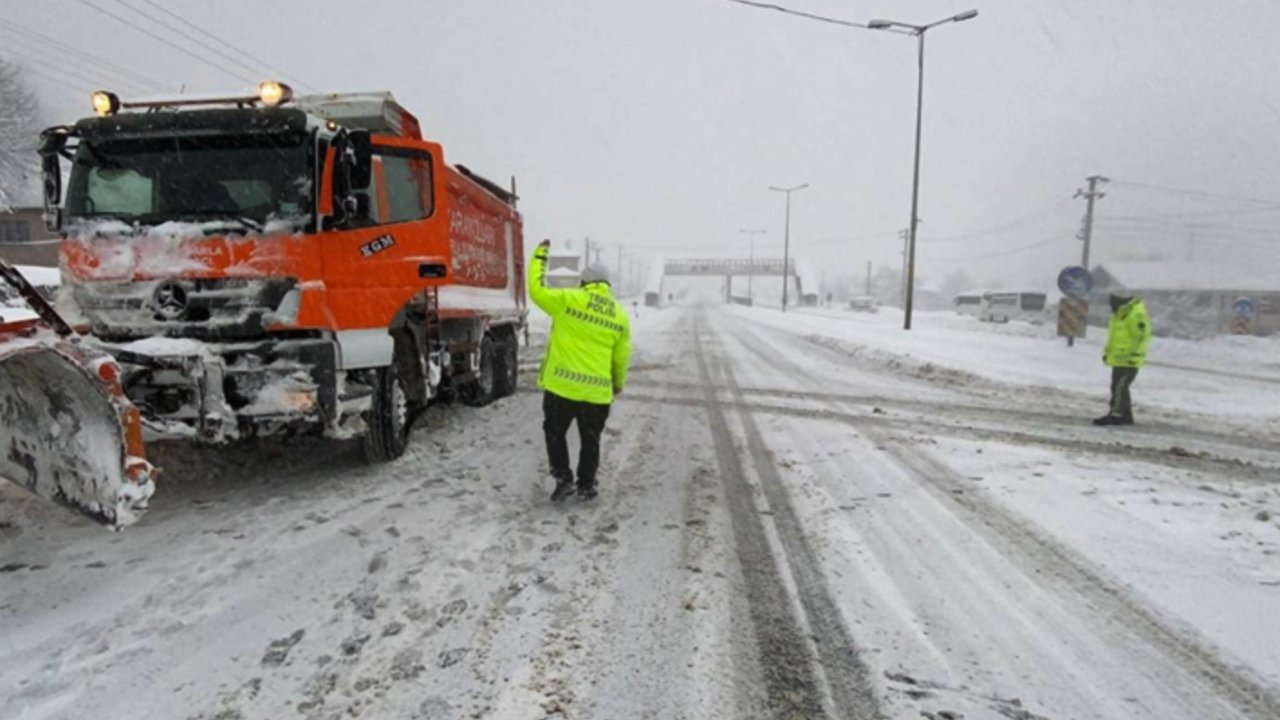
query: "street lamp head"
879, 24
967, 15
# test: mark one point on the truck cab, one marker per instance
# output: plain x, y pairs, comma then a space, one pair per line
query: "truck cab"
269, 264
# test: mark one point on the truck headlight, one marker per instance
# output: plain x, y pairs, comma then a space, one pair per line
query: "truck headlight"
106, 103
273, 93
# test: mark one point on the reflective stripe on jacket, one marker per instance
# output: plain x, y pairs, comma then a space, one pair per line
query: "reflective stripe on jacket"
590, 341
1128, 335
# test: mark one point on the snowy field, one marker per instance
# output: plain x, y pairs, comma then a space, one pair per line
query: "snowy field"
814, 515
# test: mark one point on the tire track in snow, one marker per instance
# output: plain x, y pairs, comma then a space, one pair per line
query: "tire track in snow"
1122, 614
958, 410
1237, 469
794, 689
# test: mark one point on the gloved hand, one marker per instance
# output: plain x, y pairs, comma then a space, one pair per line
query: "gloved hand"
617, 391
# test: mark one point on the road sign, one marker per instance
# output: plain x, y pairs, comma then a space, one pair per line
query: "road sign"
1242, 326
1075, 281
1073, 317
1244, 307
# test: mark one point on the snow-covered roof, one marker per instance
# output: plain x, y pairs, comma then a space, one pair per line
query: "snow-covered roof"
1193, 276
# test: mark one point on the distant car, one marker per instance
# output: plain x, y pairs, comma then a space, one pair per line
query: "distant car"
864, 304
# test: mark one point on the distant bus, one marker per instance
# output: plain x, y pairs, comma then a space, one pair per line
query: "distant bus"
1009, 305
969, 303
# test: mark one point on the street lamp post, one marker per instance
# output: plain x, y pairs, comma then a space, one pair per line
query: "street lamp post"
751, 257
918, 31
786, 239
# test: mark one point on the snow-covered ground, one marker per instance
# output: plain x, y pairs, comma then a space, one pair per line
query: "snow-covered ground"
1235, 378
803, 516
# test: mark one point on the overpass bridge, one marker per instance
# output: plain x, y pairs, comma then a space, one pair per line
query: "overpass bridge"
727, 268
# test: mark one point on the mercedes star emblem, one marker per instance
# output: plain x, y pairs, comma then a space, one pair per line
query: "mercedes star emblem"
170, 301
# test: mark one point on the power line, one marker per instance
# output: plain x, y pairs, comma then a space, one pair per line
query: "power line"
277, 71
1197, 193
211, 48
1012, 251
165, 41
54, 79
1211, 213
50, 71
995, 229
34, 56
16, 29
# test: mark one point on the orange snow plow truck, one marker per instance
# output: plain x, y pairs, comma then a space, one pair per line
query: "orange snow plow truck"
273, 264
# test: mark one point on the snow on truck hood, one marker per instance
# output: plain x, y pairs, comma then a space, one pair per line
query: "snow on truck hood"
122, 250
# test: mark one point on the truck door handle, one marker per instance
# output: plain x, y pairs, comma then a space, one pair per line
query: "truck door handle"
432, 270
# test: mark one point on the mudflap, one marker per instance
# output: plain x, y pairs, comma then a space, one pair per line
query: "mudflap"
68, 435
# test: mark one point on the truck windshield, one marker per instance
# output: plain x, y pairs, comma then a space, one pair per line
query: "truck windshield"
247, 178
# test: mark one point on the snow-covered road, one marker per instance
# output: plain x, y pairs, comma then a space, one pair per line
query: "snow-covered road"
789, 528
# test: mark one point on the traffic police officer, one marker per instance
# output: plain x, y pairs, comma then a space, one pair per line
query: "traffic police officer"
584, 367
1128, 335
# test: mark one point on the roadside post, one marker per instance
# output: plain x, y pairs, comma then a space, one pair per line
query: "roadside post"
1245, 310
1075, 282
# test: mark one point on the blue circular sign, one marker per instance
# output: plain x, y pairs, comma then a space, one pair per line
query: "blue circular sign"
1244, 307
1075, 281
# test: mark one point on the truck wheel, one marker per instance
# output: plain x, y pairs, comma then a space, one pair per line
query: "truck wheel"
480, 392
387, 422
507, 366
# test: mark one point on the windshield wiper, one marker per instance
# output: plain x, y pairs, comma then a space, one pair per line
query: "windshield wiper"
153, 219
247, 223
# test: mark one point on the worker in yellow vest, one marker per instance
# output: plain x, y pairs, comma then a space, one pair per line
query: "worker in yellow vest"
1128, 335
585, 366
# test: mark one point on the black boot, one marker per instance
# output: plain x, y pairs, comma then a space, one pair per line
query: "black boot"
587, 490
564, 488
1109, 419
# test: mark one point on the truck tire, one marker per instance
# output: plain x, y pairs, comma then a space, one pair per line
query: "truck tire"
387, 422
507, 366
481, 391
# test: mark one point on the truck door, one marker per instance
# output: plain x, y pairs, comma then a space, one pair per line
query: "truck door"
374, 269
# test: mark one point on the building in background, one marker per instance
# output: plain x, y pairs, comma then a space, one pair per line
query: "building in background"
1190, 300
564, 269
24, 239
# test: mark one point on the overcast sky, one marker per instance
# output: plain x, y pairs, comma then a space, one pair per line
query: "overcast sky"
660, 124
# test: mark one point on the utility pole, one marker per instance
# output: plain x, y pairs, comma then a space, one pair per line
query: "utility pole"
1086, 233
751, 256
902, 291
868, 278
586, 254
618, 278
786, 241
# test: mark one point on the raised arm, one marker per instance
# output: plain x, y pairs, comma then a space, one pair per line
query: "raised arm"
551, 300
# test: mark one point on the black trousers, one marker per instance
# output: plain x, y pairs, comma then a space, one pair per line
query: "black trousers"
1121, 379
557, 414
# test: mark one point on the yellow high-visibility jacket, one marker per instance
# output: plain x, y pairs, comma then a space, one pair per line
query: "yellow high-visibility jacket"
590, 342
1128, 335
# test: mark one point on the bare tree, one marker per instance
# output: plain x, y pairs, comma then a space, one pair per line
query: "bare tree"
18, 134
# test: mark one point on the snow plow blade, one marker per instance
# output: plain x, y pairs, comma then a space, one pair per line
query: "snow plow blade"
64, 438
67, 432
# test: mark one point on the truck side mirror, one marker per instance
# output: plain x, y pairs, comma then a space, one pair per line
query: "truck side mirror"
51, 171
360, 213
361, 144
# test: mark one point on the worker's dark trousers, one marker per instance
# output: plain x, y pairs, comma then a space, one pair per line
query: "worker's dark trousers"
1121, 379
557, 414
